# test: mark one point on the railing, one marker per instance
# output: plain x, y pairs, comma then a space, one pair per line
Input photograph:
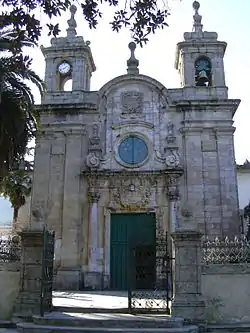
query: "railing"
224, 251
10, 249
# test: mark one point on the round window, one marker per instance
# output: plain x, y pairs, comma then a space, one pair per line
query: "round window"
133, 150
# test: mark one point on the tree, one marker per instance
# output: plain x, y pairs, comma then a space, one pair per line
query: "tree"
142, 17
16, 186
18, 118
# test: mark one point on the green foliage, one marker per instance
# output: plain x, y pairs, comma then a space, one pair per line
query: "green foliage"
16, 186
141, 17
18, 118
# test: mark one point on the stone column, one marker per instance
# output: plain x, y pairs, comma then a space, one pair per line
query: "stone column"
188, 302
28, 301
93, 222
93, 278
173, 196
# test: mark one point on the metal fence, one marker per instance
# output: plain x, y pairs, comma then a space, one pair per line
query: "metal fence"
225, 250
10, 249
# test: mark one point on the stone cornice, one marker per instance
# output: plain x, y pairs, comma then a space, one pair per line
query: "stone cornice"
229, 105
131, 173
133, 123
52, 108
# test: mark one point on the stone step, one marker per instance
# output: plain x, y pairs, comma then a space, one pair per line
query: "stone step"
107, 320
239, 327
33, 328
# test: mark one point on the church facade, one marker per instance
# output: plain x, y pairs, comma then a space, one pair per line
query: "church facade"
128, 163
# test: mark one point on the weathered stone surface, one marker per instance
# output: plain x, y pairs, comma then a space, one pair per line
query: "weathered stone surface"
80, 178
188, 302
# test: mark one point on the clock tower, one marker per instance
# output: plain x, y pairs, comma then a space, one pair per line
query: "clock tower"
68, 58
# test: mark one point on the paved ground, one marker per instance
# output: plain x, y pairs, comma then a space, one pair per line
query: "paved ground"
91, 299
8, 330
107, 299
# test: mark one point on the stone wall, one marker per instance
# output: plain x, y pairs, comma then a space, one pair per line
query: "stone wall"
9, 288
226, 291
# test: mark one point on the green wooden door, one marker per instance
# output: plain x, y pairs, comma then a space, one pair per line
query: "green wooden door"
128, 231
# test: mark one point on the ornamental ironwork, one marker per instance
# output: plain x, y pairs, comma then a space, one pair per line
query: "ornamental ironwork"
225, 250
10, 249
150, 278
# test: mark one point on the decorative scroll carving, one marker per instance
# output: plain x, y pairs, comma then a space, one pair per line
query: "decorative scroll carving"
132, 103
172, 159
173, 186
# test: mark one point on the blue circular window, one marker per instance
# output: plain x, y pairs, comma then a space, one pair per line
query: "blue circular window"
133, 150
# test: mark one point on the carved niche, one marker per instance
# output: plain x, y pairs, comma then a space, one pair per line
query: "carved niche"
130, 194
132, 102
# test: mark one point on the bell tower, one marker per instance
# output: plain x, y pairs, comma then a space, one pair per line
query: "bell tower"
68, 58
199, 58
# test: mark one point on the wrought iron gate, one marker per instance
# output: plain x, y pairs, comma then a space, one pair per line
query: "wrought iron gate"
150, 278
47, 271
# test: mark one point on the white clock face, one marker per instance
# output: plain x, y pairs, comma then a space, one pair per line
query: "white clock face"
64, 68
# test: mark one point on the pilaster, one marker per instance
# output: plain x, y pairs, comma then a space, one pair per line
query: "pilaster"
29, 299
188, 302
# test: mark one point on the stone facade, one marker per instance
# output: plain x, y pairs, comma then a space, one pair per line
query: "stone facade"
80, 178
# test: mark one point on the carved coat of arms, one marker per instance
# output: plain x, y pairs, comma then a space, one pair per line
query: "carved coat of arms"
131, 102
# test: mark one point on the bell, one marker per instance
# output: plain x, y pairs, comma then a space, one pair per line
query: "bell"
202, 78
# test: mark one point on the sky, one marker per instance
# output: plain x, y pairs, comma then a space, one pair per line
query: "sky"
230, 19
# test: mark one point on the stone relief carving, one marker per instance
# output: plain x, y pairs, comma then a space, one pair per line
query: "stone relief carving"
94, 140
130, 194
94, 152
173, 186
132, 102
92, 161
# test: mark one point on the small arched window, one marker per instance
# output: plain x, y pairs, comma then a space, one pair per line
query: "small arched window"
203, 72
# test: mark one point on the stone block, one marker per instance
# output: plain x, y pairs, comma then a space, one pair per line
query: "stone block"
94, 280
68, 279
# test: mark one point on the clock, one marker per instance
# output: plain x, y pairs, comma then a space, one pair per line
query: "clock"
64, 68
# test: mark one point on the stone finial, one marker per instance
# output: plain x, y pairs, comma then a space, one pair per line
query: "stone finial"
71, 31
197, 26
132, 62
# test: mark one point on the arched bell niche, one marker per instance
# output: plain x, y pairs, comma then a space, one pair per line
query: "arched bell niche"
203, 72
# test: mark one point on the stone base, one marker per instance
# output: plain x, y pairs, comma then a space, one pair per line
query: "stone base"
94, 281
27, 304
191, 310
68, 279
